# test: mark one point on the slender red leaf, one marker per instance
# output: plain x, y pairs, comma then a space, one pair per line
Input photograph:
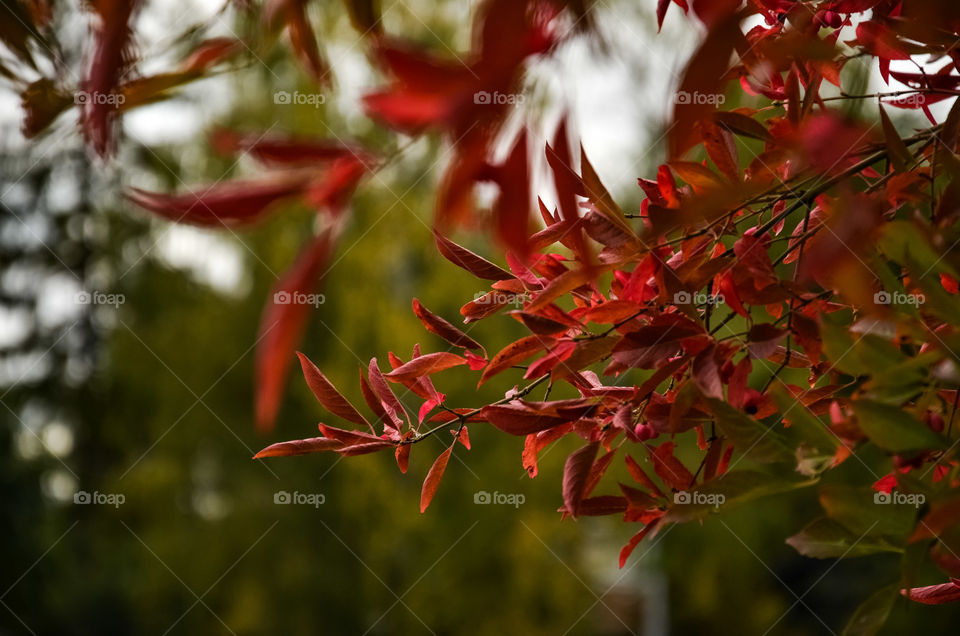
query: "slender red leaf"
433, 478
576, 473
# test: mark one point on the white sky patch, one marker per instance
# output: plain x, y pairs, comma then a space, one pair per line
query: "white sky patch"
209, 258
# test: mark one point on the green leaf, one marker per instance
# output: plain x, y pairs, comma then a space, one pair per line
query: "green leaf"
816, 444
760, 442
894, 429
730, 490
898, 152
858, 510
827, 539
905, 243
839, 345
872, 613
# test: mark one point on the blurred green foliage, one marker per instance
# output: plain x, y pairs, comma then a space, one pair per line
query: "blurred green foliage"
201, 547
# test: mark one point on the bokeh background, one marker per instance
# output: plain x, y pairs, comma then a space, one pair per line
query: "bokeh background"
150, 398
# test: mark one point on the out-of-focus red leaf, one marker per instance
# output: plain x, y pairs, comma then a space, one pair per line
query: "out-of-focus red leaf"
706, 374
935, 594
432, 481
511, 212
299, 447
881, 41
282, 326
365, 16
829, 142
327, 394
949, 283
285, 150
763, 338
110, 56
576, 472
302, 38
701, 88
231, 204
210, 53
334, 186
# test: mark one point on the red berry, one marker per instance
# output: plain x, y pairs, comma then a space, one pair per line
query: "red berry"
935, 422
645, 432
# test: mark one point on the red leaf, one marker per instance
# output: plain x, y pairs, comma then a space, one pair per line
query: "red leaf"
648, 346
210, 53
519, 420
567, 184
641, 477
706, 375
302, 38
935, 594
949, 284
365, 449
702, 86
385, 395
230, 204
285, 150
597, 471
462, 257
886, 484
721, 149
403, 457
282, 326
662, 6
511, 212
334, 187
576, 472
426, 364
347, 437
299, 447
463, 436
563, 284
602, 506
635, 541
433, 478
535, 442
669, 468
112, 36
327, 394
436, 324
512, 354
763, 339
538, 324
371, 399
